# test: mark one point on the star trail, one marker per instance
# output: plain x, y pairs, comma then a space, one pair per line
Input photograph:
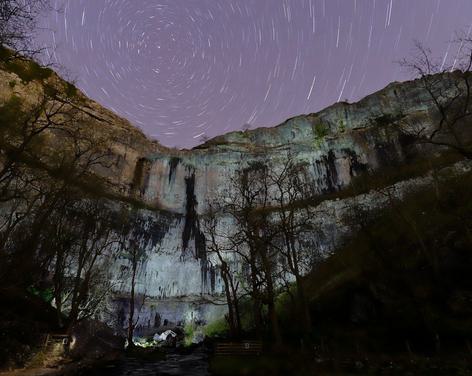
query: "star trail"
186, 70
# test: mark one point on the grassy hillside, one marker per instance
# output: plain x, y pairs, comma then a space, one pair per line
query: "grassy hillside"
403, 283
396, 299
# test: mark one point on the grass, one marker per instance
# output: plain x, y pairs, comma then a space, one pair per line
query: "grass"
28, 70
415, 298
216, 328
406, 263
46, 295
71, 90
190, 330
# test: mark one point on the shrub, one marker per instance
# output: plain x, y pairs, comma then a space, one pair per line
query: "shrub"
28, 70
5, 53
189, 331
9, 111
71, 90
216, 328
320, 131
46, 295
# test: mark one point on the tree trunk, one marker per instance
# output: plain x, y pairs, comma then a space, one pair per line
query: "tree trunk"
303, 306
58, 282
274, 322
229, 302
74, 311
236, 309
256, 301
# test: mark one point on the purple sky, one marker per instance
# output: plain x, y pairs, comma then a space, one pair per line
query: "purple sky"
182, 69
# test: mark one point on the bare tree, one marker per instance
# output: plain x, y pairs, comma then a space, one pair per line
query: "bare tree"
216, 245
292, 192
94, 238
36, 177
133, 243
18, 22
248, 207
448, 90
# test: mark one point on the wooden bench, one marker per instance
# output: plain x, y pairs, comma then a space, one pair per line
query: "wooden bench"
55, 339
242, 348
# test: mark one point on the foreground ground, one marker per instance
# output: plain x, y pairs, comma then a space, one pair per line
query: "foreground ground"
397, 300
200, 362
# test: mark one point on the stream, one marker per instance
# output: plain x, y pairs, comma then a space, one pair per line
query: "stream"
193, 364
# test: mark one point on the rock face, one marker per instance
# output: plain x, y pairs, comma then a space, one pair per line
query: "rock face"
338, 143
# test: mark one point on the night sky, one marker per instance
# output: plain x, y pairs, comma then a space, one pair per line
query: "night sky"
183, 70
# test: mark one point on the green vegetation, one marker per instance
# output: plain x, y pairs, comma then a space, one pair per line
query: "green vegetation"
11, 117
5, 53
46, 295
28, 70
320, 131
190, 330
400, 287
388, 119
51, 91
342, 126
284, 303
12, 83
404, 277
10, 111
216, 328
71, 90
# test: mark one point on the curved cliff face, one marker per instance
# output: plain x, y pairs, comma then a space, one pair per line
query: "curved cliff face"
127, 143
338, 144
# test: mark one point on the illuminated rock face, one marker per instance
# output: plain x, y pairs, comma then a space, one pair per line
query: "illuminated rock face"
178, 275
338, 144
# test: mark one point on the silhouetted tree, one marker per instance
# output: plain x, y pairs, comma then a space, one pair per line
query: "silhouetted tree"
448, 90
247, 205
95, 239
36, 178
216, 245
44, 209
294, 217
18, 23
133, 242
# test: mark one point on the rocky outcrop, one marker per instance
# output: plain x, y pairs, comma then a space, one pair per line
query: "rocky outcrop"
339, 144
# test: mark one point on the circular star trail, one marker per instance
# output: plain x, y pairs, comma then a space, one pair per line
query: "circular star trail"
185, 70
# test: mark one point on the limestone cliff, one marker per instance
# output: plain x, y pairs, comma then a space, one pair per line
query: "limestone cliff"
339, 144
